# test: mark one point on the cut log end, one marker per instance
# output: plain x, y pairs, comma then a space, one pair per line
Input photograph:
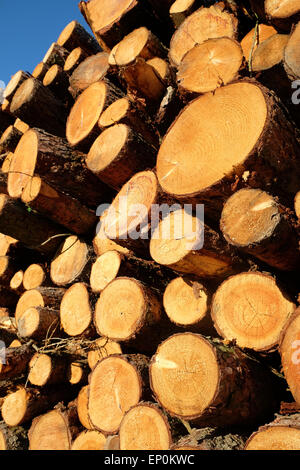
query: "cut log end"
290, 357
89, 440
34, 276
275, 9
102, 348
75, 310
275, 438
69, 261
104, 270
145, 428
251, 309
14, 407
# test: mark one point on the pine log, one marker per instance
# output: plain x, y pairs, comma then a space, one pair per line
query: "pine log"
187, 304
82, 408
74, 59
281, 434
183, 242
40, 71
91, 70
209, 171
297, 205
198, 73
136, 318
291, 54
204, 381
139, 43
111, 20
57, 81
89, 440
203, 24
101, 348
39, 323
281, 14
5, 106
76, 311
82, 124
289, 349
54, 430
254, 222
181, 9
21, 126
49, 297
116, 384
13, 438
14, 83
35, 276
8, 267
7, 162
10, 139
124, 111
57, 206
72, 262
144, 427
7, 245
77, 373
47, 369
31, 229
144, 85
58, 164
118, 153
256, 36
56, 54
162, 67
269, 52
113, 264
112, 443
16, 282
5, 121
74, 35
16, 361
101, 243
37, 106
251, 309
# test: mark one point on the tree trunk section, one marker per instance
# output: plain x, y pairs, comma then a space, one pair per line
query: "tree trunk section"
74, 35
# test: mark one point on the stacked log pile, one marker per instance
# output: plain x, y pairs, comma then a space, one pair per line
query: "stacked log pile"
124, 325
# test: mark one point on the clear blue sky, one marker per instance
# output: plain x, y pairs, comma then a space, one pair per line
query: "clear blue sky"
28, 28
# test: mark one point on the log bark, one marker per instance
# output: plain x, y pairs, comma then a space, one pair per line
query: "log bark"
54, 430
15, 83
34, 231
39, 323
282, 434
289, 347
75, 35
8, 267
5, 121
226, 388
169, 109
144, 427
203, 24
13, 438
124, 111
16, 361
56, 54
37, 106
257, 164
116, 384
254, 222
89, 440
136, 319
90, 104
8, 298
59, 207
198, 73
58, 164
10, 139
117, 163
72, 262
76, 311
251, 309
74, 59
210, 439
49, 297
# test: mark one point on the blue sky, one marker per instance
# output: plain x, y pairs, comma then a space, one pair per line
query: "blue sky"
28, 28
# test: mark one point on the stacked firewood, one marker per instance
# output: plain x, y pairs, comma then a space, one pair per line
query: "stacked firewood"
124, 324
